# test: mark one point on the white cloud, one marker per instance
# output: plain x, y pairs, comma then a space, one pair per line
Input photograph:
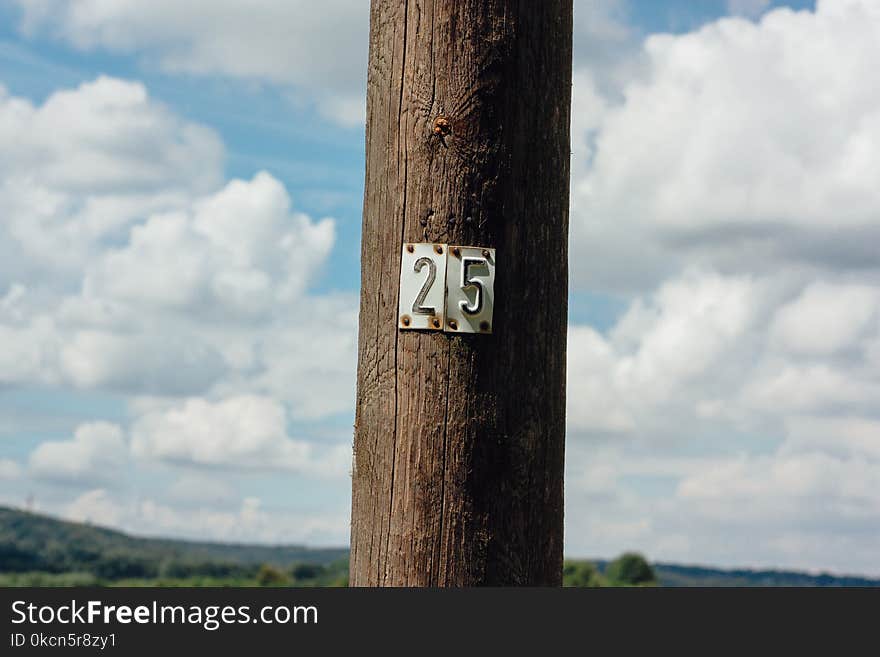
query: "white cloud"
814, 478
604, 44
698, 390
783, 387
159, 364
843, 437
9, 470
826, 319
190, 297
317, 49
738, 147
729, 199
97, 506
184, 298
241, 432
795, 507
97, 453
239, 250
724, 187
197, 488
750, 8
248, 522
802, 506
88, 162
670, 349
157, 280
106, 136
31, 352
320, 351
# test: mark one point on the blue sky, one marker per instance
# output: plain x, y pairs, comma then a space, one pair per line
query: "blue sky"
724, 350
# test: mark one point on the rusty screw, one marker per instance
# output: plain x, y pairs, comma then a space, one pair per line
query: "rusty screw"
486, 253
435, 323
410, 248
405, 320
484, 326
442, 126
456, 251
438, 249
453, 324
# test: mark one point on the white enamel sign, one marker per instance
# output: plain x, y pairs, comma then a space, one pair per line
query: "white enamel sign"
447, 288
422, 287
470, 289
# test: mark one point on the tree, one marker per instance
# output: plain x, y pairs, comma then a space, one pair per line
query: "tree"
581, 574
459, 439
269, 575
306, 571
630, 569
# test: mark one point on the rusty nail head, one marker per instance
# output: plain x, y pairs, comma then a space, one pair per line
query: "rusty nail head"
410, 248
484, 326
442, 126
456, 251
485, 253
435, 322
438, 248
453, 324
405, 320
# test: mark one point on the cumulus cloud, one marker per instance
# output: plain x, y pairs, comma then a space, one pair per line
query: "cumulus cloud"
9, 470
155, 279
728, 198
198, 488
319, 351
87, 163
97, 506
807, 510
751, 8
239, 251
246, 522
740, 147
724, 189
175, 308
669, 349
247, 431
186, 298
139, 363
826, 318
120, 140
96, 453
605, 45
722, 391
318, 50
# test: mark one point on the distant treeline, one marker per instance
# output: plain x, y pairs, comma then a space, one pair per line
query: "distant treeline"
37, 550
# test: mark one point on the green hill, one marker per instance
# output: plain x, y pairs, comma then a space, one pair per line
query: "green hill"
40, 550
33, 543
677, 575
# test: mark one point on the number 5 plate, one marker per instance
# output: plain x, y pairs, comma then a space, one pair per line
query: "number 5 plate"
470, 289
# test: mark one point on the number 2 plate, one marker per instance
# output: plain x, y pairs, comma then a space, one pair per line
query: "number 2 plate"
423, 287
447, 288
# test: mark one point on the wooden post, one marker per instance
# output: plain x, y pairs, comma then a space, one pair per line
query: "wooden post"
459, 439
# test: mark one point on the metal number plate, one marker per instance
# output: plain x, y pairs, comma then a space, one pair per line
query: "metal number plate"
448, 288
470, 289
422, 287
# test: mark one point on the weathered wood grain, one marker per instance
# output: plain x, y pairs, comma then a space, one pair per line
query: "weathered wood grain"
459, 439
